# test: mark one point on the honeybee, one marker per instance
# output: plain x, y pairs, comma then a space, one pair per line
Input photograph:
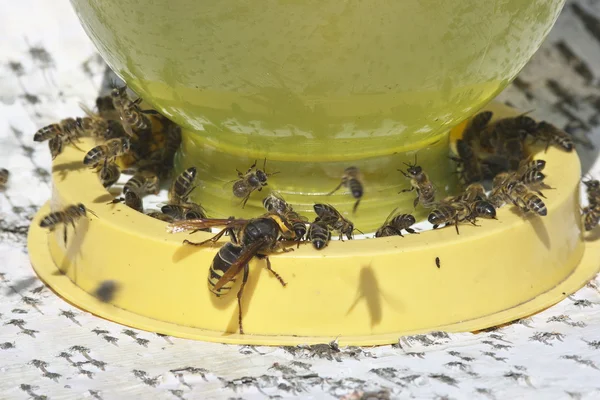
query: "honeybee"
160, 216
393, 225
142, 182
352, 179
451, 212
106, 108
420, 182
4, 175
275, 204
56, 146
257, 237
546, 132
69, 215
107, 152
475, 126
332, 217
182, 186
184, 211
132, 118
483, 209
109, 174
253, 179
470, 166
591, 217
508, 188
592, 187
319, 234
68, 129
132, 200
472, 193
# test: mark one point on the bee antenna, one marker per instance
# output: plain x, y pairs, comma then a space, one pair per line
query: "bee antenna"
361, 232
91, 212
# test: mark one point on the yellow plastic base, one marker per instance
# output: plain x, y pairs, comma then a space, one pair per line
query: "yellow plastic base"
363, 292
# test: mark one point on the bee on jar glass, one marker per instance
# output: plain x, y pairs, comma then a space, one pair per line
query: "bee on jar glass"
253, 179
351, 179
420, 182
66, 216
134, 122
182, 186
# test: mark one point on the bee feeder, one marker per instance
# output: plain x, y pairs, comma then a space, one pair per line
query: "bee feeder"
363, 292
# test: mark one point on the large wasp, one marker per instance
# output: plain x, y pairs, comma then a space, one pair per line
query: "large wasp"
256, 237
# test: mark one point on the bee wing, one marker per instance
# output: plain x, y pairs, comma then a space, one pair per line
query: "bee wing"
390, 216
237, 266
202, 223
88, 111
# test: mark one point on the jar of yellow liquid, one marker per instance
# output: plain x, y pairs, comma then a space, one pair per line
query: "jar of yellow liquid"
317, 86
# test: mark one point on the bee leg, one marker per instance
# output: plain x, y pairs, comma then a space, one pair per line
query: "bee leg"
213, 239
239, 298
411, 230
540, 194
245, 200
416, 202
456, 225
279, 278
336, 189
355, 206
435, 226
404, 173
240, 175
65, 234
72, 143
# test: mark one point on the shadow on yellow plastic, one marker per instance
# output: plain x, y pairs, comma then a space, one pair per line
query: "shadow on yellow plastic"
363, 292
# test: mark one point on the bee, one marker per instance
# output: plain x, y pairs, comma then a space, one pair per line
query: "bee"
56, 146
4, 175
472, 193
106, 108
257, 237
450, 212
275, 204
420, 182
182, 186
132, 118
475, 126
109, 174
142, 182
332, 217
319, 234
68, 129
591, 217
172, 144
483, 209
253, 179
352, 179
132, 200
184, 211
68, 215
471, 168
508, 188
394, 226
550, 134
592, 187
107, 152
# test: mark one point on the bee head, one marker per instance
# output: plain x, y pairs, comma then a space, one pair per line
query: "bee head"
592, 184
81, 209
261, 175
414, 170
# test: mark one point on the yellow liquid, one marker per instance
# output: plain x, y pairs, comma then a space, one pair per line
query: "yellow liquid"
332, 83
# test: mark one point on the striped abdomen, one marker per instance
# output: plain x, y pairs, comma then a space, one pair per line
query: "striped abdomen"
225, 257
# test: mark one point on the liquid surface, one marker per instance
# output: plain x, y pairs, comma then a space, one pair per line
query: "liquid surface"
304, 78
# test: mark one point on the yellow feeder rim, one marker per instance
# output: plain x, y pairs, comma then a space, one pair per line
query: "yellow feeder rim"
360, 292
